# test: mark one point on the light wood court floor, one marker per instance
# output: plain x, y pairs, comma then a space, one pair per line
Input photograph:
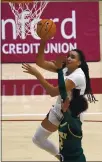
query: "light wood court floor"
17, 132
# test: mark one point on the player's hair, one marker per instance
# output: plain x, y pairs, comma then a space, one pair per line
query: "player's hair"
84, 67
78, 105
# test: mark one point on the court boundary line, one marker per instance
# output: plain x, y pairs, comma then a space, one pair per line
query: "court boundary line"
30, 120
25, 120
17, 115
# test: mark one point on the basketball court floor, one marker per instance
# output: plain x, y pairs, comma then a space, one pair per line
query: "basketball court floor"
22, 115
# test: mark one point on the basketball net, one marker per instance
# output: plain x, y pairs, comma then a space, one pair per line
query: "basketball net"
27, 14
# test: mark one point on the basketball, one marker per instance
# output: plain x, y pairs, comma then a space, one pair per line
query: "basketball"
46, 29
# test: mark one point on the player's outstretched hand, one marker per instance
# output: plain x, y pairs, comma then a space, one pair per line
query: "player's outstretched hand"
29, 69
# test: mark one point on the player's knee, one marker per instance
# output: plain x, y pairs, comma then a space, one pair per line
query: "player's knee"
40, 135
35, 139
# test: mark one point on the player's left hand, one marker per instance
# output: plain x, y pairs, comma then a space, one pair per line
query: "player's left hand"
65, 105
29, 69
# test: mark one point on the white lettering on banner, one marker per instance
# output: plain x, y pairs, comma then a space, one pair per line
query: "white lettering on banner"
25, 48
3, 90
24, 25
67, 20
33, 48
19, 48
32, 91
23, 88
65, 48
4, 22
12, 48
4, 50
51, 48
35, 87
33, 33
14, 89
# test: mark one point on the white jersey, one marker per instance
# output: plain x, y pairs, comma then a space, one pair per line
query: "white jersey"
78, 77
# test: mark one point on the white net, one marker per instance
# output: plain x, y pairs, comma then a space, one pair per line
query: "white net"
27, 15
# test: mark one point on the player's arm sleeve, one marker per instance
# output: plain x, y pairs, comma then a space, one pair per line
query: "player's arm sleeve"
77, 79
61, 84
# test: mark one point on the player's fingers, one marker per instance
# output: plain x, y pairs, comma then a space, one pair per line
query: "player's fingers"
25, 71
26, 65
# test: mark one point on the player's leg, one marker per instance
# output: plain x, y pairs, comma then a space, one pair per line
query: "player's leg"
48, 126
40, 138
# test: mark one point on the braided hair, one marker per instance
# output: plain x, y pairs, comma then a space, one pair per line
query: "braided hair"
84, 67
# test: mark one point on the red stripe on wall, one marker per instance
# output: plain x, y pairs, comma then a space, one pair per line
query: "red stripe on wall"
33, 87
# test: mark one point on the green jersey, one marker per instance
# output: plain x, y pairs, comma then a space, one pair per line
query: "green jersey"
70, 136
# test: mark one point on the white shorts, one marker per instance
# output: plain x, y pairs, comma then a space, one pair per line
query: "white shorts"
82, 117
55, 115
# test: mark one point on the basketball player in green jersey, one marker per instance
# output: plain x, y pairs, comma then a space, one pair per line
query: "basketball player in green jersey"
70, 131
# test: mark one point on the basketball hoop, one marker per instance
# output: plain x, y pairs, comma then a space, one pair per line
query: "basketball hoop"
27, 14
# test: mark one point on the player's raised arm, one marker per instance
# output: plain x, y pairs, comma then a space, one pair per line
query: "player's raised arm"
40, 61
46, 29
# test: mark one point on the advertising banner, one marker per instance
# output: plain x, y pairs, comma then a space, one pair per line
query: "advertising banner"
77, 27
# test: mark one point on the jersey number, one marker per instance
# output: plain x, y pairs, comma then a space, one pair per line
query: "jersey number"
60, 143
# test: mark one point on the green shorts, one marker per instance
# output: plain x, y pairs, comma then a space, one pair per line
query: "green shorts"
80, 158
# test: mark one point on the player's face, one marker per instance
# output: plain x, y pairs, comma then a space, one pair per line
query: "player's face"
73, 60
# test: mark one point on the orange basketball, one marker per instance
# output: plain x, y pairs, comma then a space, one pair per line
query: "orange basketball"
46, 29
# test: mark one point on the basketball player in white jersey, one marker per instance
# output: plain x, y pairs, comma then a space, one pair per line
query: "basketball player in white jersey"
77, 82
